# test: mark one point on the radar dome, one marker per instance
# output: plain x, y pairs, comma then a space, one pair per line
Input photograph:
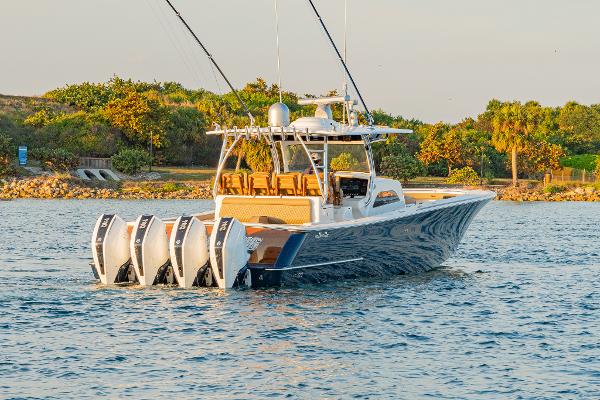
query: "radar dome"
279, 115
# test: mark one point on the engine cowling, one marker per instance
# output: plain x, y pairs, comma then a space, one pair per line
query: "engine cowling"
228, 252
110, 249
188, 247
149, 250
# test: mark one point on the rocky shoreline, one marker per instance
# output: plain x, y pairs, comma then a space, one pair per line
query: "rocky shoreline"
68, 187
65, 187
588, 193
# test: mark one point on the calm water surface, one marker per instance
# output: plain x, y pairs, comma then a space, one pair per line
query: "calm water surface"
515, 314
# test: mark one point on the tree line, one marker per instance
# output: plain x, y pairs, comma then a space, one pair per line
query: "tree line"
520, 139
100, 119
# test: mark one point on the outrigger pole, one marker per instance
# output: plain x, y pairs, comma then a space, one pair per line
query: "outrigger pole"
369, 116
210, 57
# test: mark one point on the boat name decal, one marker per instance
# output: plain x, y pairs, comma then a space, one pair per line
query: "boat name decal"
252, 243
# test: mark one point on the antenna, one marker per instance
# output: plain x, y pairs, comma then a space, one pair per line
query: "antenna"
345, 42
346, 109
278, 55
369, 116
210, 57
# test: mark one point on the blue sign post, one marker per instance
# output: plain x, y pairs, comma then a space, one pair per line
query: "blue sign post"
22, 155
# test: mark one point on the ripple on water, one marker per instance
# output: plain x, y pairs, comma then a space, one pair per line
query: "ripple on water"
513, 315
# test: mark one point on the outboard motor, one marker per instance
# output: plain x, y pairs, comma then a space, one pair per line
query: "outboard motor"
189, 252
110, 247
228, 253
149, 250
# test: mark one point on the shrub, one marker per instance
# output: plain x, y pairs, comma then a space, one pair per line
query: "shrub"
580, 161
464, 176
55, 159
344, 162
553, 189
6, 155
40, 118
171, 187
131, 161
597, 170
401, 167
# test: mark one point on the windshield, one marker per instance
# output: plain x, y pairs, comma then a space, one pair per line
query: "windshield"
342, 157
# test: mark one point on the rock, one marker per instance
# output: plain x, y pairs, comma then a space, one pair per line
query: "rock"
149, 176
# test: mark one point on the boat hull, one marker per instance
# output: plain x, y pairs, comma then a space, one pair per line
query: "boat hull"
412, 242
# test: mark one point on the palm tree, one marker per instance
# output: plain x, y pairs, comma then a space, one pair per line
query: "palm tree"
512, 124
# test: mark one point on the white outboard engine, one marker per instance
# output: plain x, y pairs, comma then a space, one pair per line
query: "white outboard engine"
189, 252
110, 247
149, 250
228, 253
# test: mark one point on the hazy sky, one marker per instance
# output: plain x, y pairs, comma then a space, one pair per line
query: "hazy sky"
427, 59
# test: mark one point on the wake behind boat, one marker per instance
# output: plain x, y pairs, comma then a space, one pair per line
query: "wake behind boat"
301, 223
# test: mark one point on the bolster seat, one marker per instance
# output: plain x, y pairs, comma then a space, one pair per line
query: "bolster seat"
267, 210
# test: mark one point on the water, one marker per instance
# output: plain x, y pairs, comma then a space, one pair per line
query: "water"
515, 314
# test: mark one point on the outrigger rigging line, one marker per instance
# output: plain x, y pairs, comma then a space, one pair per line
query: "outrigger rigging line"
369, 116
212, 60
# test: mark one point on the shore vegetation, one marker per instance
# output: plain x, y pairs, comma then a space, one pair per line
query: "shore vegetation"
164, 124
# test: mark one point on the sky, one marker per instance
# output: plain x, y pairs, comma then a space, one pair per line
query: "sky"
434, 60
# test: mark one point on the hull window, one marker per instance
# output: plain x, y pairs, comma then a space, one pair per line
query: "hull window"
385, 198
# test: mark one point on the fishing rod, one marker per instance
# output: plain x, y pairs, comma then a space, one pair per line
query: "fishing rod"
369, 116
210, 57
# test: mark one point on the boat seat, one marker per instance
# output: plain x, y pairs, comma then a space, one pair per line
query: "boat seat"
267, 210
233, 184
287, 184
310, 185
259, 183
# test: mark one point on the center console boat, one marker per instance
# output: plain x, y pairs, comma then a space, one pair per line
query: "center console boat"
300, 223
307, 220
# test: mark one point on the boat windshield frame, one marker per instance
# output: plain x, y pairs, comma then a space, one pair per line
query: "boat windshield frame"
280, 136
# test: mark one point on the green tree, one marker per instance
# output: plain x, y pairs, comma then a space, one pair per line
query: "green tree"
580, 125
343, 162
185, 140
513, 124
540, 156
257, 154
131, 161
6, 155
432, 147
464, 176
453, 145
86, 96
57, 159
139, 117
401, 165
